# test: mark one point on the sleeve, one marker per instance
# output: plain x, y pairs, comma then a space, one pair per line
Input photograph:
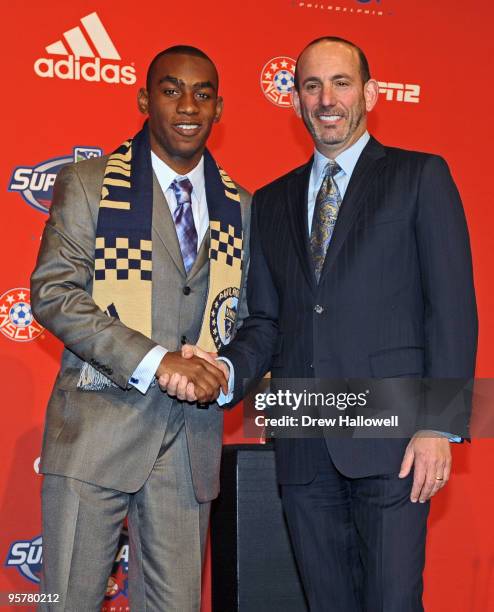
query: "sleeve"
61, 287
223, 399
143, 375
251, 350
450, 313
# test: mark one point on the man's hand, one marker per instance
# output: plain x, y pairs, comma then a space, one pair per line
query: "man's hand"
192, 379
180, 386
189, 350
431, 455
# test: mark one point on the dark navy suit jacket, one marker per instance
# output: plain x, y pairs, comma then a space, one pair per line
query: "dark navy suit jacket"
396, 295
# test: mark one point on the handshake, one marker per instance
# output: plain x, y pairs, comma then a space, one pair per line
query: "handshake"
193, 375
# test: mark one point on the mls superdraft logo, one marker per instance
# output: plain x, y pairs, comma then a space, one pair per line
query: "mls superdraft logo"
26, 556
16, 318
35, 183
223, 315
277, 80
93, 43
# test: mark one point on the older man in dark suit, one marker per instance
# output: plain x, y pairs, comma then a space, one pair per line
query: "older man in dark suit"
360, 267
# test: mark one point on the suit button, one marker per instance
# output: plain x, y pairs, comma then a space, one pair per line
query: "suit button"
110, 371
318, 309
311, 366
186, 290
183, 340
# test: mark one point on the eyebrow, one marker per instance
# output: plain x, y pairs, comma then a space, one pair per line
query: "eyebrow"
333, 78
179, 82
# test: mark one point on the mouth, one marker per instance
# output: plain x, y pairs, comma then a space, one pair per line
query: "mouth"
187, 129
329, 118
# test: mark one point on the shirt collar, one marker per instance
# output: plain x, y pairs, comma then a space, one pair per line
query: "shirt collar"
347, 159
167, 175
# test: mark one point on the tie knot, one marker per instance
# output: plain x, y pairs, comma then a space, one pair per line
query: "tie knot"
332, 168
182, 188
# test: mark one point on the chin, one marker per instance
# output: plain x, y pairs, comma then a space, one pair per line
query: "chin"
187, 152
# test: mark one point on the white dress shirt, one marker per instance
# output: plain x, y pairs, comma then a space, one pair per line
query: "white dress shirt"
143, 375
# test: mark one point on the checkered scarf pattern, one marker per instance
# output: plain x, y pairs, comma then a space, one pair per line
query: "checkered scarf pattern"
122, 281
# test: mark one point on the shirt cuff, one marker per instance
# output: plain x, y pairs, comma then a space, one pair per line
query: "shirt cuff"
451, 437
222, 398
144, 374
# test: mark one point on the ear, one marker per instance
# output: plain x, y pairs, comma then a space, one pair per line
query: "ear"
219, 109
143, 101
296, 102
371, 94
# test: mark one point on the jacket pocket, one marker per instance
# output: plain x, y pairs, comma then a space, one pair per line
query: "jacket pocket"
401, 361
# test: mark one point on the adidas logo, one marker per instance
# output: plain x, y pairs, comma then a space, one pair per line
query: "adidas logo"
93, 42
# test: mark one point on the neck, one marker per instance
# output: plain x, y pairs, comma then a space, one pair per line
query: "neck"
179, 164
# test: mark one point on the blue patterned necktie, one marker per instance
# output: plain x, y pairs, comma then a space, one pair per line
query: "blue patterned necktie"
184, 221
326, 209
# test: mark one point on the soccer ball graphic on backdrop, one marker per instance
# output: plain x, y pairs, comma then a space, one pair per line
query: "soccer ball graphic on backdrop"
16, 317
283, 81
277, 80
21, 315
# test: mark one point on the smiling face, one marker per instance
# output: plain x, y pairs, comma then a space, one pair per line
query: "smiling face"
182, 103
331, 99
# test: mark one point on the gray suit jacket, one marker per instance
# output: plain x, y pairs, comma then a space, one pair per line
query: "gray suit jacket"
112, 438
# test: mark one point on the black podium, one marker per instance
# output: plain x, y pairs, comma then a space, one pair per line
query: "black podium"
253, 569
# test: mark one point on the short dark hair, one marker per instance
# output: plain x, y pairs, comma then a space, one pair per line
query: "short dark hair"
177, 50
364, 64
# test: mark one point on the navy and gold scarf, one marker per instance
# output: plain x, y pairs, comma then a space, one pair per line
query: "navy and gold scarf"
123, 275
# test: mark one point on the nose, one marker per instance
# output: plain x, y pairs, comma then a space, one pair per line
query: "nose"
328, 97
187, 103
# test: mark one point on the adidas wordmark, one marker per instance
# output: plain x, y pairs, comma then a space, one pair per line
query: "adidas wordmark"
94, 44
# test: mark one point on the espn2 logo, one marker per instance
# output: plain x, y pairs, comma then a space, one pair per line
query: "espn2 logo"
92, 42
400, 92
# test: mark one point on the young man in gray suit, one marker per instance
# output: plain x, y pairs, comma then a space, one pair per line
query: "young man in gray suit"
142, 253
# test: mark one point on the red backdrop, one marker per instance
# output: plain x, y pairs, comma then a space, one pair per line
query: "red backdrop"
432, 59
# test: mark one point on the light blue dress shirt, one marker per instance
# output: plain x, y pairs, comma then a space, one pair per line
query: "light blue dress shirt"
347, 160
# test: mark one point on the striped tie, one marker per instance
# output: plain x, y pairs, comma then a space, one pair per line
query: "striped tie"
184, 221
326, 209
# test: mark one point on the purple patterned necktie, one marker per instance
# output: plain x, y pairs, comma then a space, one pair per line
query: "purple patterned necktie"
184, 221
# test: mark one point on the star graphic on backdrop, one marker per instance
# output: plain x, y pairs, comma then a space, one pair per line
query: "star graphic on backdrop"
3, 308
284, 64
267, 75
21, 295
274, 66
10, 299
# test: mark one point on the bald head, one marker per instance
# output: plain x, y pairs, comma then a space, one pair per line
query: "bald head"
363, 63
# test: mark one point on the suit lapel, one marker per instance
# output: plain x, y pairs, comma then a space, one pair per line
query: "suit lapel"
298, 191
371, 161
164, 226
